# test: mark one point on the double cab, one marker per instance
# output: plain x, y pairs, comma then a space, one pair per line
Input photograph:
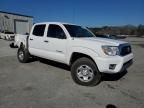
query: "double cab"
87, 55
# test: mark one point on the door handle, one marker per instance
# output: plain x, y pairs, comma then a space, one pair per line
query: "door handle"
31, 39
46, 41
59, 51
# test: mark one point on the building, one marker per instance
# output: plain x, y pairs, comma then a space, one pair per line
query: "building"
16, 23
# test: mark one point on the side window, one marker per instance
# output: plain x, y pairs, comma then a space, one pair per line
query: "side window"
56, 31
39, 30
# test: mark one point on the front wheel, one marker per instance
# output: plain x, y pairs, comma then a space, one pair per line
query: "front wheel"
84, 72
23, 55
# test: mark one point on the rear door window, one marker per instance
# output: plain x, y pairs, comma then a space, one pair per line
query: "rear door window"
39, 30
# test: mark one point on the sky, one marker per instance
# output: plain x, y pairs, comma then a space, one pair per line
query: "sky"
91, 13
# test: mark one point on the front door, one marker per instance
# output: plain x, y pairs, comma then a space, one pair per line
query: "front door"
56, 43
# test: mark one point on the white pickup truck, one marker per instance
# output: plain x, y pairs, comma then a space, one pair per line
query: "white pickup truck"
87, 55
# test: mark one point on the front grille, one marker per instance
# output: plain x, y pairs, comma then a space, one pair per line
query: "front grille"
125, 49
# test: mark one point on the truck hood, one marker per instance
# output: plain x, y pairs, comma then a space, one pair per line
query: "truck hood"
103, 41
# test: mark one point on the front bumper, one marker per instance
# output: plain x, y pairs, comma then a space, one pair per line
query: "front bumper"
121, 63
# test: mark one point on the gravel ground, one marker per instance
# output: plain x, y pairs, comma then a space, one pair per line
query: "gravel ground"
41, 84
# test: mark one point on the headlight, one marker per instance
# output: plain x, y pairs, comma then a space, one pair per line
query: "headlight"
110, 50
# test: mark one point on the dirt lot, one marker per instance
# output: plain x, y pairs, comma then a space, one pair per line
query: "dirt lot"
49, 85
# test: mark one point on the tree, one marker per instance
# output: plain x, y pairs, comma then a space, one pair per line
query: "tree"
140, 30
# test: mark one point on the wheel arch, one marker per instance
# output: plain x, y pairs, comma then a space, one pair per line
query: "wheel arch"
78, 52
77, 55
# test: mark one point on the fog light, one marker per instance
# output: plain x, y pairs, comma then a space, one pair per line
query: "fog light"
112, 66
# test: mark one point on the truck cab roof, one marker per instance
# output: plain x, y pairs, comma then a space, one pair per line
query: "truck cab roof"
54, 23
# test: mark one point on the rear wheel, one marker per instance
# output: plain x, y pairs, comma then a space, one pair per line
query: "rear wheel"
84, 72
23, 55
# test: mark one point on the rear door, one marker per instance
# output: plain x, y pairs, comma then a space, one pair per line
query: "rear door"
36, 40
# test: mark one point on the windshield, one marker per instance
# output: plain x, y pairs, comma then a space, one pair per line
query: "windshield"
78, 31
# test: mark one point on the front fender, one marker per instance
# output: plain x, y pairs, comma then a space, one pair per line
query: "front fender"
83, 50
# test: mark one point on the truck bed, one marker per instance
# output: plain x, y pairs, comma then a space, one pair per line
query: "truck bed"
19, 38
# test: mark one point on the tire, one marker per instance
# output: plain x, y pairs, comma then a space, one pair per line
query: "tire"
23, 55
85, 72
